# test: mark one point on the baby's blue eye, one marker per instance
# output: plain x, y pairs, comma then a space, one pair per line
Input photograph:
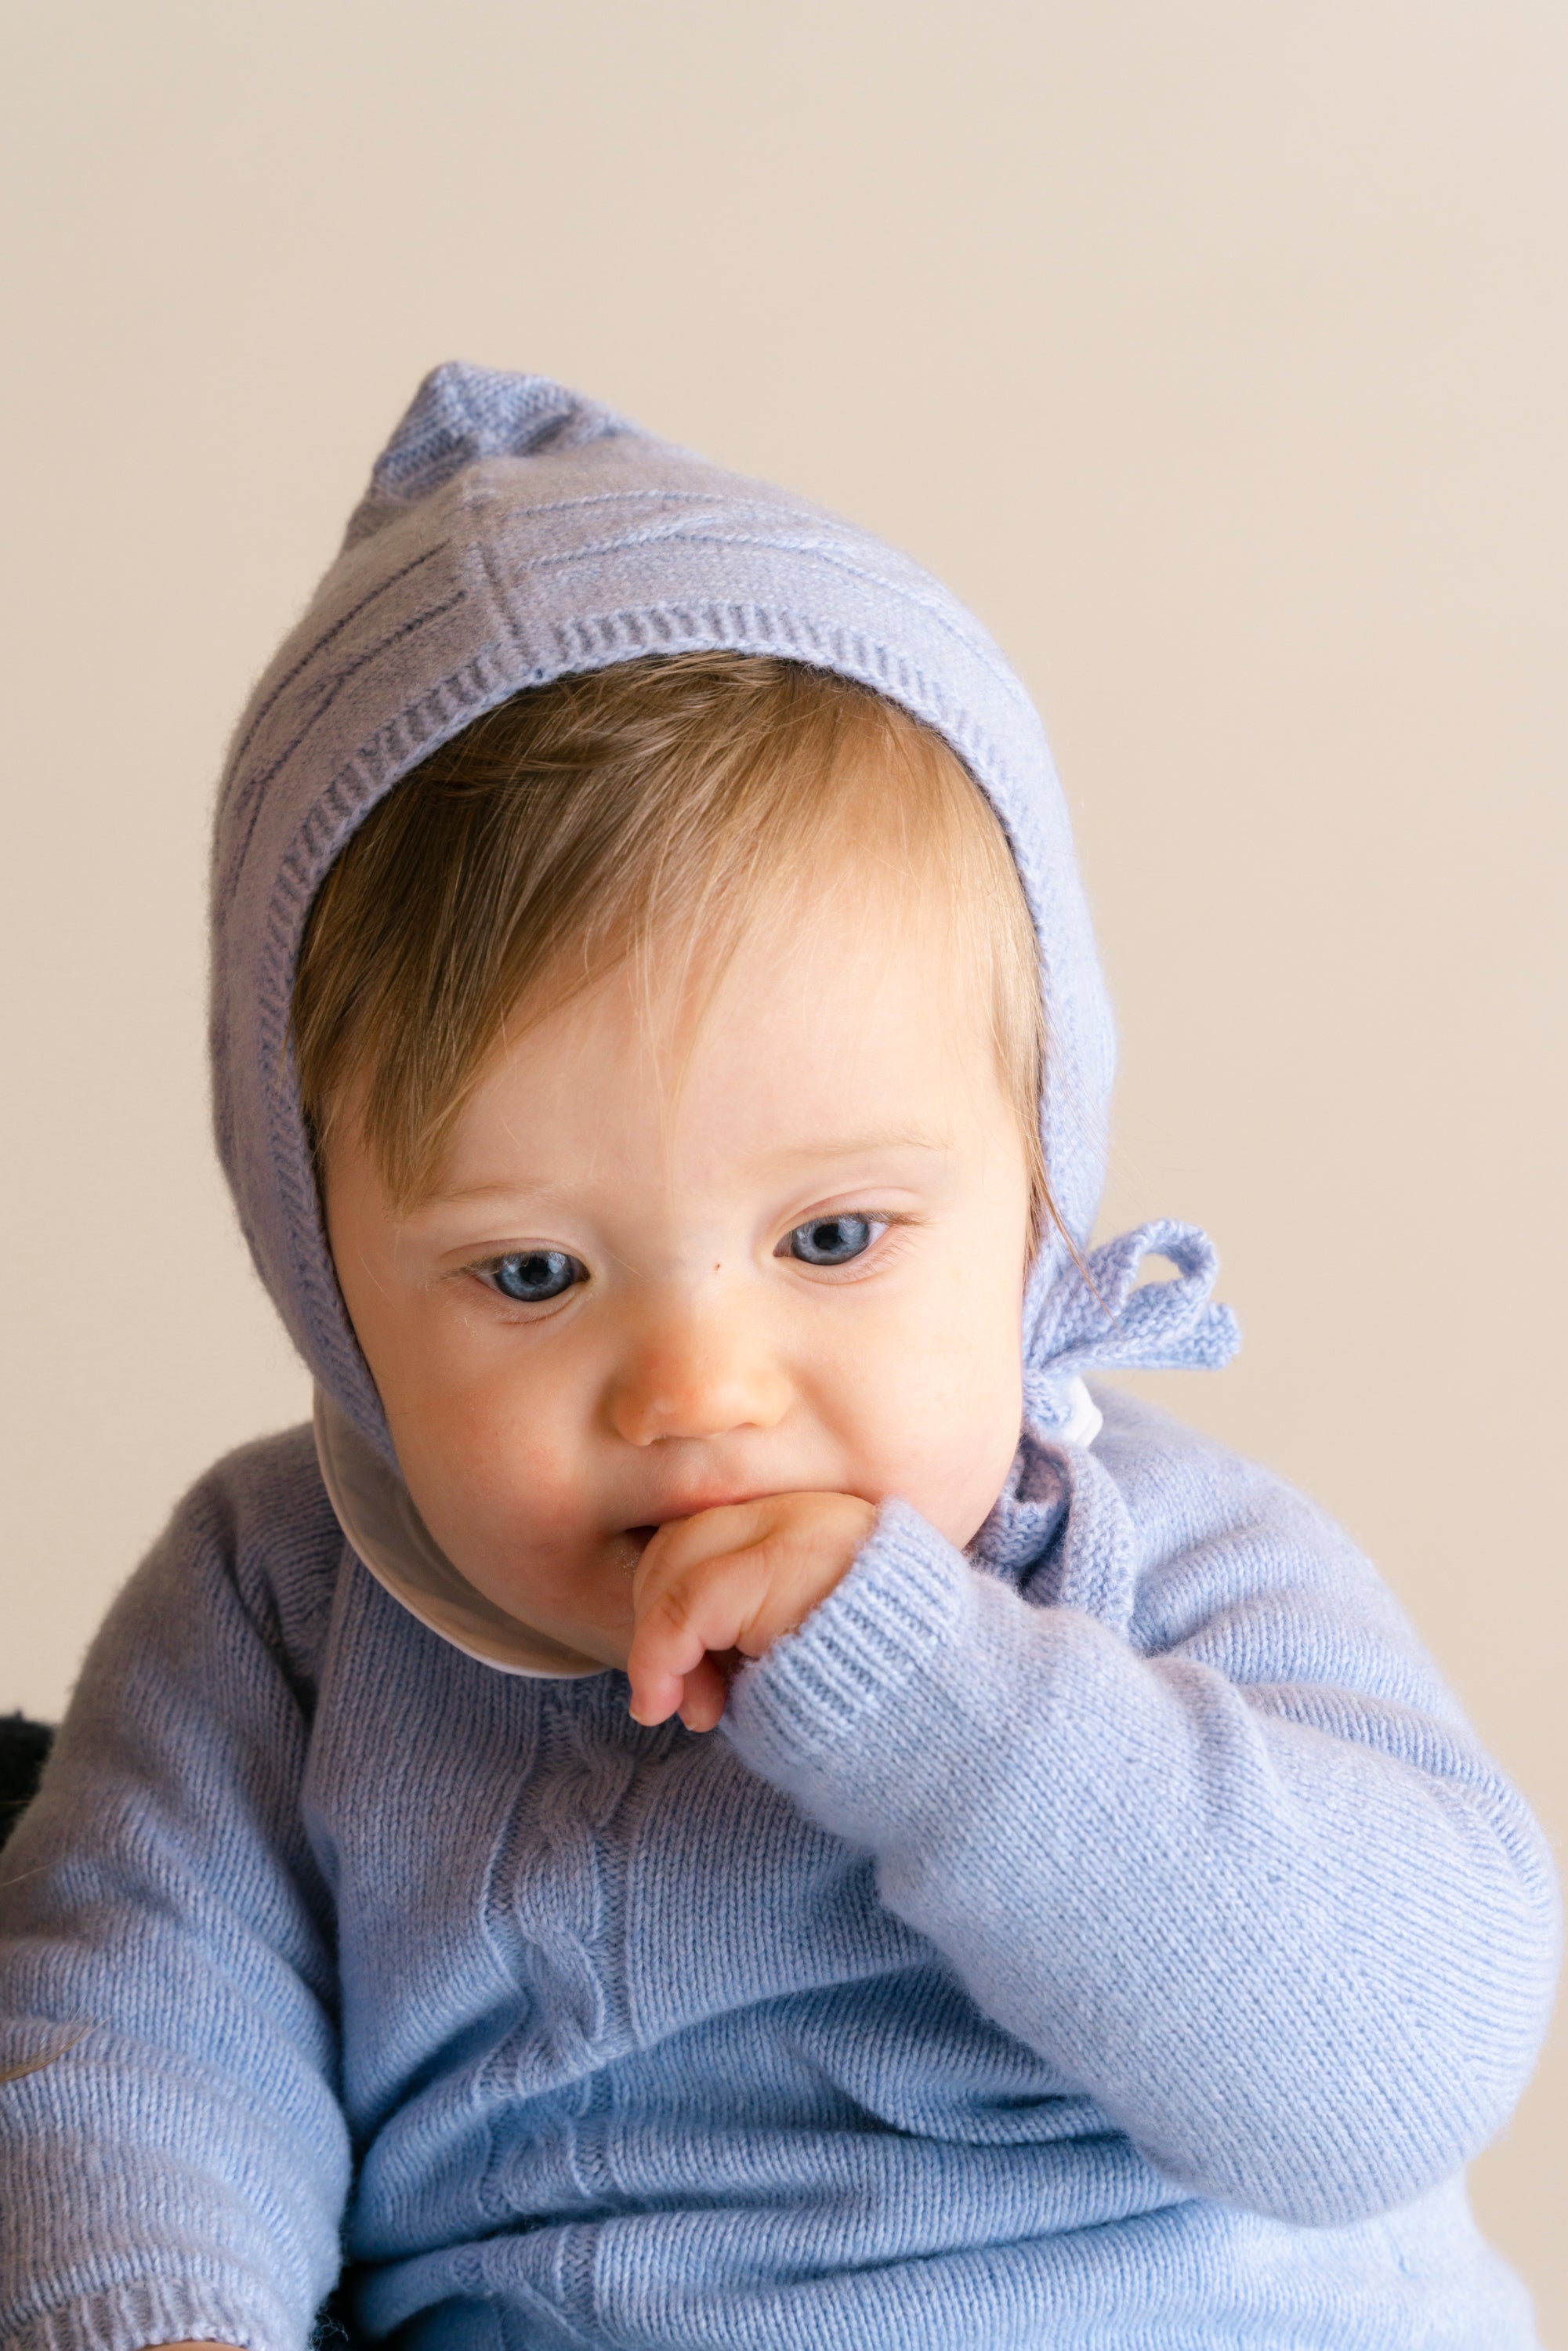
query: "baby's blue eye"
831, 1240
532, 1276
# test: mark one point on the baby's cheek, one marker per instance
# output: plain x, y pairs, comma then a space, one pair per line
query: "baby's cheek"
507, 1474
948, 1426
525, 1486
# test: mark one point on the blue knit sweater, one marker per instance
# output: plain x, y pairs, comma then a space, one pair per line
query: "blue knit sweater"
1113, 1936
998, 1976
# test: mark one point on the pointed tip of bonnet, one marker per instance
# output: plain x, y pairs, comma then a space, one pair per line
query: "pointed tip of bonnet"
461, 413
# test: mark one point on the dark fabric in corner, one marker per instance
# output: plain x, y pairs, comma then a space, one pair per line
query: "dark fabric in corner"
24, 1750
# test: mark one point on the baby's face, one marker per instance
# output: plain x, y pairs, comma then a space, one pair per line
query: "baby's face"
671, 1267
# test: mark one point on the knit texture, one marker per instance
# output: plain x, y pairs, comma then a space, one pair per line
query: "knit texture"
514, 533
997, 1977
1113, 1938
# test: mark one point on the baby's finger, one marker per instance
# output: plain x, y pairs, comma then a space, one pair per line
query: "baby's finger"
680, 1619
707, 1694
658, 1688
666, 1647
683, 1544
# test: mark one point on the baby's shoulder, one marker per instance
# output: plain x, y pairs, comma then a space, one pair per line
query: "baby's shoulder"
1238, 1568
256, 1530
1185, 1488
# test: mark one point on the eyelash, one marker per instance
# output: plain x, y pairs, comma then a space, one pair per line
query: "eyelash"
883, 1220
886, 1221
486, 1268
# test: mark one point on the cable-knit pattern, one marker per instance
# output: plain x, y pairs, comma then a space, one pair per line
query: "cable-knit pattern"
996, 1975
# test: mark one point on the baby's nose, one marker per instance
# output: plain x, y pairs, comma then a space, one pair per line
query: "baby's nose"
693, 1379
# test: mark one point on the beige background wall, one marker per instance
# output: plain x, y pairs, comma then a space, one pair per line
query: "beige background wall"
1214, 350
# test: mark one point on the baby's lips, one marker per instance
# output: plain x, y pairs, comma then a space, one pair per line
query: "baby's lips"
695, 1506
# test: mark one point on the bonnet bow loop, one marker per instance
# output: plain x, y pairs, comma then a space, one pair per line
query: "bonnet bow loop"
1098, 1317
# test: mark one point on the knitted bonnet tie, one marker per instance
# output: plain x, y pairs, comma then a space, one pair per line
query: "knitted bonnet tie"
1060, 1531
1096, 1316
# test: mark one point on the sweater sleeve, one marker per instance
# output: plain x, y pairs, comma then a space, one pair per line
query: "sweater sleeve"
1237, 1871
177, 2167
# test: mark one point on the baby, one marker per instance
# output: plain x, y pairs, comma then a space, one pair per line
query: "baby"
722, 1796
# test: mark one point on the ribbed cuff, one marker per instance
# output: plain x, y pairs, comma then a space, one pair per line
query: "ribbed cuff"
872, 1638
146, 2310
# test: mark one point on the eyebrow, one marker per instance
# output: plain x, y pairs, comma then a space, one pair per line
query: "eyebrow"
856, 1146
860, 1146
462, 1196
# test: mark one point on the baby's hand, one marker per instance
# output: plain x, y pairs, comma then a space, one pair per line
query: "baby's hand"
728, 1579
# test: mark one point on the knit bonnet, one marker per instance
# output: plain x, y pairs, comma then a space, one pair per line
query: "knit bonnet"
514, 532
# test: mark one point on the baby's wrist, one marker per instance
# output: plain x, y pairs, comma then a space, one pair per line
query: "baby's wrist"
871, 1643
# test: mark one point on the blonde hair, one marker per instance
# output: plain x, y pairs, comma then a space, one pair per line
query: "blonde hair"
651, 808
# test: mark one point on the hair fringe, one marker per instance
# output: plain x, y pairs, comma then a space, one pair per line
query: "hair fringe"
651, 809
